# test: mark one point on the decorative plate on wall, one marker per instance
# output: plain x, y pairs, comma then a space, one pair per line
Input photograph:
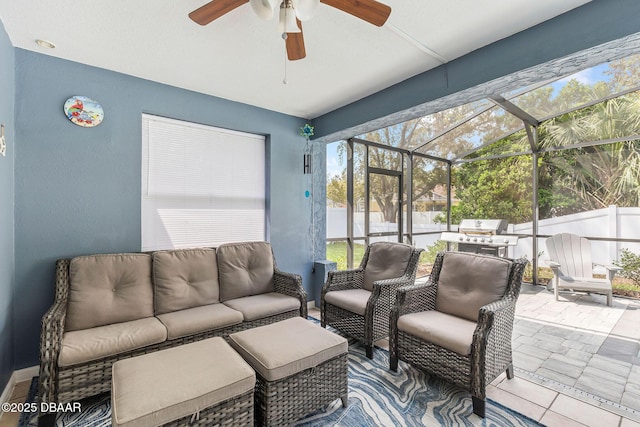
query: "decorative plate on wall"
83, 111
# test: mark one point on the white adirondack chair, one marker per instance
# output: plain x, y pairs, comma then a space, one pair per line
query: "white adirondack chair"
573, 269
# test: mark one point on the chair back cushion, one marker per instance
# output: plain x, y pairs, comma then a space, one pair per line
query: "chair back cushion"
386, 261
245, 269
185, 278
107, 289
469, 281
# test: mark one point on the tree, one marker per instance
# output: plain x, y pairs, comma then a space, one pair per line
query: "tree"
602, 175
337, 189
494, 188
383, 189
624, 73
569, 181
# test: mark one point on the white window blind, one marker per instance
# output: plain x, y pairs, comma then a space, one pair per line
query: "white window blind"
201, 185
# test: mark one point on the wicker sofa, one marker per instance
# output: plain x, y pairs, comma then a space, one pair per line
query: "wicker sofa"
114, 306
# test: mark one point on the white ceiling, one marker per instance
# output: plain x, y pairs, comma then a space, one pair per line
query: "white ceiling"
241, 58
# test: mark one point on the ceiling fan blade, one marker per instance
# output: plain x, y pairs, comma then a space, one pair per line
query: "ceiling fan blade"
214, 10
371, 11
295, 44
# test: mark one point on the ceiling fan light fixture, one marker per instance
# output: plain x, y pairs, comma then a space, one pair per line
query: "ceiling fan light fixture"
305, 9
287, 22
264, 8
291, 15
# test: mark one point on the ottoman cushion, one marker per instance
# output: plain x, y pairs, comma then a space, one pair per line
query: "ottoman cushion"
164, 386
285, 348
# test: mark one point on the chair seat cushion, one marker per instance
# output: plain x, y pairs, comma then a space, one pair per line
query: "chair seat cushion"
103, 341
199, 319
444, 330
307, 345
160, 387
263, 305
353, 300
585, 284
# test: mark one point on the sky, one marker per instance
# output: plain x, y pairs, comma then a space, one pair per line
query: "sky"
333, 161
588, 77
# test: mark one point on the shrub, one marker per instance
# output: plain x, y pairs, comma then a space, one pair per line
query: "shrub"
528, 270
630, 263
429, 255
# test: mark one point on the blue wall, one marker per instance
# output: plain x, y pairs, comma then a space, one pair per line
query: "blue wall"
7, 83
77, 190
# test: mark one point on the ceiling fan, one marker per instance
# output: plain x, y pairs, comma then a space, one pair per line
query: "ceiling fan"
292, 12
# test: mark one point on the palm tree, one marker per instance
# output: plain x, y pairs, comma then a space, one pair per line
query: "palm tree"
597, 175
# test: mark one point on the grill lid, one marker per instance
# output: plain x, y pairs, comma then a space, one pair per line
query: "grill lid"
483, 226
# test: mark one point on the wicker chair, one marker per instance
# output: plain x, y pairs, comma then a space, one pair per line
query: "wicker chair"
357, 302
458, 325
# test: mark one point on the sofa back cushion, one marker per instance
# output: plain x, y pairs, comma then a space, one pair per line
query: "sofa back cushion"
386, 261
245, 269
107, 289
469, 281
185, 278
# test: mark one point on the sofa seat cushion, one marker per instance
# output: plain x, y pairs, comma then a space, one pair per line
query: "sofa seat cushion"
104, 341
199, 319
444, 330
108, 288
386, 261
469, 281
164, 386
264, 305
353, 300
307, 345
245, 269
185, 278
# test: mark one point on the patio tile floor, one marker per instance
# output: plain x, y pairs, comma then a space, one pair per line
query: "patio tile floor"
582, 349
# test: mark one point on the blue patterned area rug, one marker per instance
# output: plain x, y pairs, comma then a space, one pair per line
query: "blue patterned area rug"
377, 397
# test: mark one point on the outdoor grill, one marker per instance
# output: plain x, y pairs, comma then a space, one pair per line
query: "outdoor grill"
481, 236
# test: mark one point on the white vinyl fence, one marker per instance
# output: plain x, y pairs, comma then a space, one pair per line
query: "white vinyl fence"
612, 222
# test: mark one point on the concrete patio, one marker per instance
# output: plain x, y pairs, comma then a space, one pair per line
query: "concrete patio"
580, 347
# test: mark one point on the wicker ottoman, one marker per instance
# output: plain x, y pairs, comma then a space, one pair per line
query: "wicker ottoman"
300, 367
203, 383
